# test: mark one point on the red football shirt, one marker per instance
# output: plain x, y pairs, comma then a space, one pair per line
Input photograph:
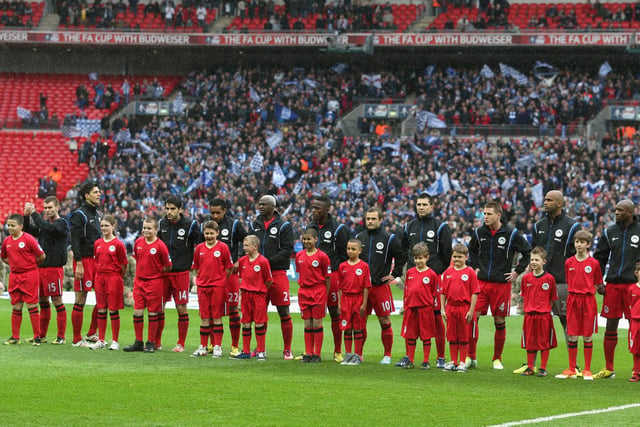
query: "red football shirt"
254, 274
420, 288
110, 256
459, 285
212, 264
151, 258
634, 294
313, 269
353, 278
538, 293
21, 252
583, 276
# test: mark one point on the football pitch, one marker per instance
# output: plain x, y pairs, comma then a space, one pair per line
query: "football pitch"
62, 385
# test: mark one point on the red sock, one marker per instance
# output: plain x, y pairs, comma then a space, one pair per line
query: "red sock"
287, 331
115, 325
61, 320
531, 359
77, 316
358, 337
473, 339
246, 340
636, 363
93, 326
138, 326
152, 330
498, 340
573, 354
588, 354
462, 349
102, 325
234, 326
261, 332
45, 317
318, 338
34, 316
387, 338
16, 322
426, 350
183, 327
308, 341
610, 342
410, 347
337, 334
453, 349
218, 332
544, 358
204, 335
348, 340
440, 336
159, 329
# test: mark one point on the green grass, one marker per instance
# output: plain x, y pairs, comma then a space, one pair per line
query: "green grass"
61, 385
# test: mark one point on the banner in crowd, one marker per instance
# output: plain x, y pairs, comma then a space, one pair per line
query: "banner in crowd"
472, 39
387, 111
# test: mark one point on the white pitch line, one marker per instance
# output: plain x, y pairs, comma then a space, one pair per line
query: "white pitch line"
568, 415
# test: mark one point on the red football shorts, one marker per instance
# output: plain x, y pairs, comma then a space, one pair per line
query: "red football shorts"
457, 326
51, 279
233, 291
538, 332
176, 286
23, 287
211, 301
350, 312
496, 296
88, 278
254, 307
148, 294
582, 315
109, 291
278, 293
634, 336
332, 296
616, 301
418, 322
380, 300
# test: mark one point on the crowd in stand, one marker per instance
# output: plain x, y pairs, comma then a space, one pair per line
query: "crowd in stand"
234, 141
16, 13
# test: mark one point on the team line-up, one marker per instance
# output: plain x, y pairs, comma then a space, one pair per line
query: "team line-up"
444, 284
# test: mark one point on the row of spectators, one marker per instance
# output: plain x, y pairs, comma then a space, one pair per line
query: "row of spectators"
235, 143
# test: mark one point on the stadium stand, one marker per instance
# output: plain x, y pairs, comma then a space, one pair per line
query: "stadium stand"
552, 16
61, 90
20, 14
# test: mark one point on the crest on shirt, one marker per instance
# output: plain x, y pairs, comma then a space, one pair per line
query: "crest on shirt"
430, 234
88, 283
112, 248
315, 263
327, 234
256, 268
21, 245
426, 280
153, 251
545, 285
558, 233
587, 269
273, 230
216, 254
181, 232
464, 277
502, 240
380, 246
635, 239
358, 272
224, 232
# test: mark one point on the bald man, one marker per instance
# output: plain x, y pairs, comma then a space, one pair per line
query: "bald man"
554, 233
619, 246
276, 244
